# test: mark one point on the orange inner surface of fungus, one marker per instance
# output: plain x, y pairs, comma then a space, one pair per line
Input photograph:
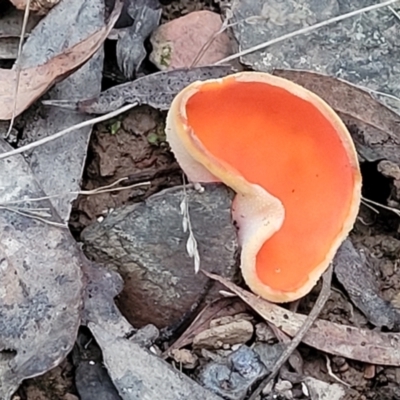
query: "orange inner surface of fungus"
284, 144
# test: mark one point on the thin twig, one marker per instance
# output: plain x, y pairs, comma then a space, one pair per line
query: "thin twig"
206, 45
368, 203
100, 190
396, 14
318, 306
331, 374
33, 216
18, 65
223, 28
67, 130
302, 31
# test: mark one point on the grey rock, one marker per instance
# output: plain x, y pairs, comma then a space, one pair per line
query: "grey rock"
146, 244
363, 49
141, 375
269, 354
91, 378
130, 47
232, 377
354, 272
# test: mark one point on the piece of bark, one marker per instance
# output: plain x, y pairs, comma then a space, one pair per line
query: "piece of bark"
135, 372
146, 244
355, 274
156, 90
139, 374
40, 7
130, 46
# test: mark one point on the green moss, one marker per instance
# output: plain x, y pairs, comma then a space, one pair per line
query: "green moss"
157, 136
165, 57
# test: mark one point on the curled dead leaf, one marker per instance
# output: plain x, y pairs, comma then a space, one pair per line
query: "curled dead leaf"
35, 81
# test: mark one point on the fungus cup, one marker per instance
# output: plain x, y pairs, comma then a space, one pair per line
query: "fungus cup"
292, 164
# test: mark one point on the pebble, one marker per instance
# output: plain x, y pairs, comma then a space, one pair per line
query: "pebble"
185, 358
232, 333
177, 43
264, 332
232, 376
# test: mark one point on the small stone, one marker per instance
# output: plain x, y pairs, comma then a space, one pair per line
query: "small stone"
282, 386
140, 120
235, 347
232, 333
343, 368
145, 242
209, 355
224, 353
230, 318
264, 332
268, 388
321, 390
155, 350
185, 358
178, 43
288, 395
387, 269
338, 361
232, 376
268, 354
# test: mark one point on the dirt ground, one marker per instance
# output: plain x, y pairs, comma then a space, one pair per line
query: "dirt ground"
134, 146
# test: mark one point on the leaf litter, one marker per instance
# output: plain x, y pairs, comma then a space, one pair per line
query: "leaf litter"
145, 90
36, 80
67, 156
41, 281
347, 341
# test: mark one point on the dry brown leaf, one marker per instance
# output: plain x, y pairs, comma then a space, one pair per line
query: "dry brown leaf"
41, 279
41, 7
342, 340
219, 308
374, 127
35, 81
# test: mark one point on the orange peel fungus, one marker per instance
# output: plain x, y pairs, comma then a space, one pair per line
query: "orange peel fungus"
291, 162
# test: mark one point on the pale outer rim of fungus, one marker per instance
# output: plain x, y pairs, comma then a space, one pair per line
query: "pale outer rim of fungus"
201, 166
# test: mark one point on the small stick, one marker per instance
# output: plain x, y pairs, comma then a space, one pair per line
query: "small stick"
330, 372
318, 306
18, 64
304, 30
59, 134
